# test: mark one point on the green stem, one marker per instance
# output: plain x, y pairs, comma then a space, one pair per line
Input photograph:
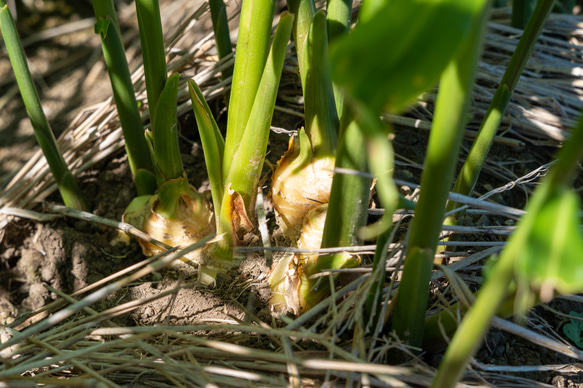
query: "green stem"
475, 323
222, 33
470, 171
319, 107
153, 53
447, 131
348, 206
347, 211
303, 11
66, 183
250, 58
166, 147
338, 19
123, 92
247, 162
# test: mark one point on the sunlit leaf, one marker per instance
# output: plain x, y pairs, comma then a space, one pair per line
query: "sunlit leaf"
401, 49
551, 258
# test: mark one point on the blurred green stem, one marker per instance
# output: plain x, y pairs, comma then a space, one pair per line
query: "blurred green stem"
449, 120
521, 12
44, 135
123, 92
470, 171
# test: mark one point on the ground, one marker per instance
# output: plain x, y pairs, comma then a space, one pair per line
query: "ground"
68, 254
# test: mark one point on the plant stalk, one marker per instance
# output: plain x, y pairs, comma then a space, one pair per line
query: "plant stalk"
338, 20
449, 121
247, 161
152, 41
65, 180
251, 55
222, 33
347, 209
123, 92
521, 12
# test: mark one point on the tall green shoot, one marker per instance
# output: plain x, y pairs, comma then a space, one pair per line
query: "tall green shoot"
65, 180
235, 163
137, 149
445, 139
153, 53
392, 79
177, 214
252, 50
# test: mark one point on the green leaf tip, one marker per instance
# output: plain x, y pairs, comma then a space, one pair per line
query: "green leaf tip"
101, 27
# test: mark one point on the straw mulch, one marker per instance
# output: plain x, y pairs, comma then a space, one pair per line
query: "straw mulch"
77, 345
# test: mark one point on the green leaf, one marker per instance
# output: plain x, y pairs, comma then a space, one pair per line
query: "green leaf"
573, 330
101, 27
166, 147
401, 49
551, 256
213, 143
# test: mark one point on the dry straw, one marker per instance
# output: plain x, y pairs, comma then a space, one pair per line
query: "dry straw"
80, 346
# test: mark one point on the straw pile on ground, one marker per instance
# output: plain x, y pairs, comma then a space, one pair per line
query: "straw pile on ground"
74, 344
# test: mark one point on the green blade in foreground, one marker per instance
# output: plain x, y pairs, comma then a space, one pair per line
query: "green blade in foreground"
448, 125
347, 212
65, 180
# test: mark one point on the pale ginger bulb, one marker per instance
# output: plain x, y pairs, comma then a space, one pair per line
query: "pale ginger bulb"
194, 220
300, 183
290, 279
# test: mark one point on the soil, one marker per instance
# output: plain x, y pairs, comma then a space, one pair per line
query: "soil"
68, 254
